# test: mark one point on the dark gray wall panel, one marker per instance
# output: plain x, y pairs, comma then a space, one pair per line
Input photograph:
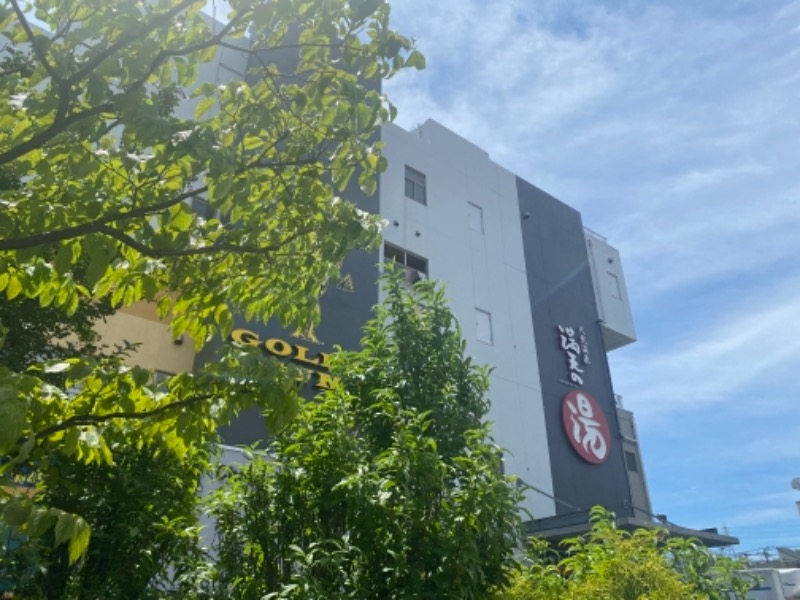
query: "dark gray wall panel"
561, 293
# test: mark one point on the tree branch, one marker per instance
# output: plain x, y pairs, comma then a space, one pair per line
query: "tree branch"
161, 19
212, 249
34, 43
62, 121
59, 125
94, 226
83, 420
165, 54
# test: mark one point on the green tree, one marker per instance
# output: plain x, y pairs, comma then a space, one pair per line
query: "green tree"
143, 515
612, 564
35, 333
387, 487
99, 170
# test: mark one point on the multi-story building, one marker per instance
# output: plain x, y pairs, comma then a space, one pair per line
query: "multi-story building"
539, 298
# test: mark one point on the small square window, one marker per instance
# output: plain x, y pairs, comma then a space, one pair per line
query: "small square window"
483, 326
415, 185
475, 217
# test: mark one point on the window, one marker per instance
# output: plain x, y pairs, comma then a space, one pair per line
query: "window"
483, 326
613, 285
475, 217
415, 266
415, 185
630, 460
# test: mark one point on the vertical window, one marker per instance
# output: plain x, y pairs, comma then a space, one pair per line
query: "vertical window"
630, 460
483, 326
475, 217
613, 285
415, 185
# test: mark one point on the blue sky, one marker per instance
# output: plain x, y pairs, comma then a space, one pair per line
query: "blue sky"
674, 128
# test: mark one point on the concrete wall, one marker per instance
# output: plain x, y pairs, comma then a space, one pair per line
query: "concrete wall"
157, 348
483, 270
640, 496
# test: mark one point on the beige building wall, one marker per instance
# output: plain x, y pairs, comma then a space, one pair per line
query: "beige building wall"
158, 349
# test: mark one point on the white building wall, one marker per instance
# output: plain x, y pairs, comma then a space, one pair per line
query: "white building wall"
483, 270
611, 293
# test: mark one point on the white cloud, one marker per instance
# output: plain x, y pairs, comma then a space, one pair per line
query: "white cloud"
783, 447
673, 128
696, 179
761, 516
753, 341
658, 123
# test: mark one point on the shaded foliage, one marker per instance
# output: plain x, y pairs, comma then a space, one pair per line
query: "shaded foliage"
35, 333
108, 141
387, 487
143, 517
611, 564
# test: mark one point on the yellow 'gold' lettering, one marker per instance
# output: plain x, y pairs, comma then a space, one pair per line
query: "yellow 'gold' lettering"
244, 337
296, 352
301, 355
278, 347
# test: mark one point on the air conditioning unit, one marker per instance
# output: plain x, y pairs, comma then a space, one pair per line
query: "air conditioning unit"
413, 276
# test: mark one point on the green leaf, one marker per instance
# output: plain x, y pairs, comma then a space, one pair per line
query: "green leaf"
40, 521
12, 416
73, 529
26, 449
181, 218
416, 59
140, 376
79, 541
70, 442
63, 261
203, 106
16, 512
13, 288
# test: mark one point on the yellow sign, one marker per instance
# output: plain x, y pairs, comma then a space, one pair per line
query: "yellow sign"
295, 352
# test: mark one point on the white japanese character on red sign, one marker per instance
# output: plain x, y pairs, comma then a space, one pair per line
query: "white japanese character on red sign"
588, 427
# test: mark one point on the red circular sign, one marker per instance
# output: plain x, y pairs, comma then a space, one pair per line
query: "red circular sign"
586, 426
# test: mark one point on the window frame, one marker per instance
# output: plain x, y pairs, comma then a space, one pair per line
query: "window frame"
418, 183
481, 312
473, 208
631, 461
398, 252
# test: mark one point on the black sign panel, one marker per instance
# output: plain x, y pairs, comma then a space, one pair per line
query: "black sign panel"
571, 356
